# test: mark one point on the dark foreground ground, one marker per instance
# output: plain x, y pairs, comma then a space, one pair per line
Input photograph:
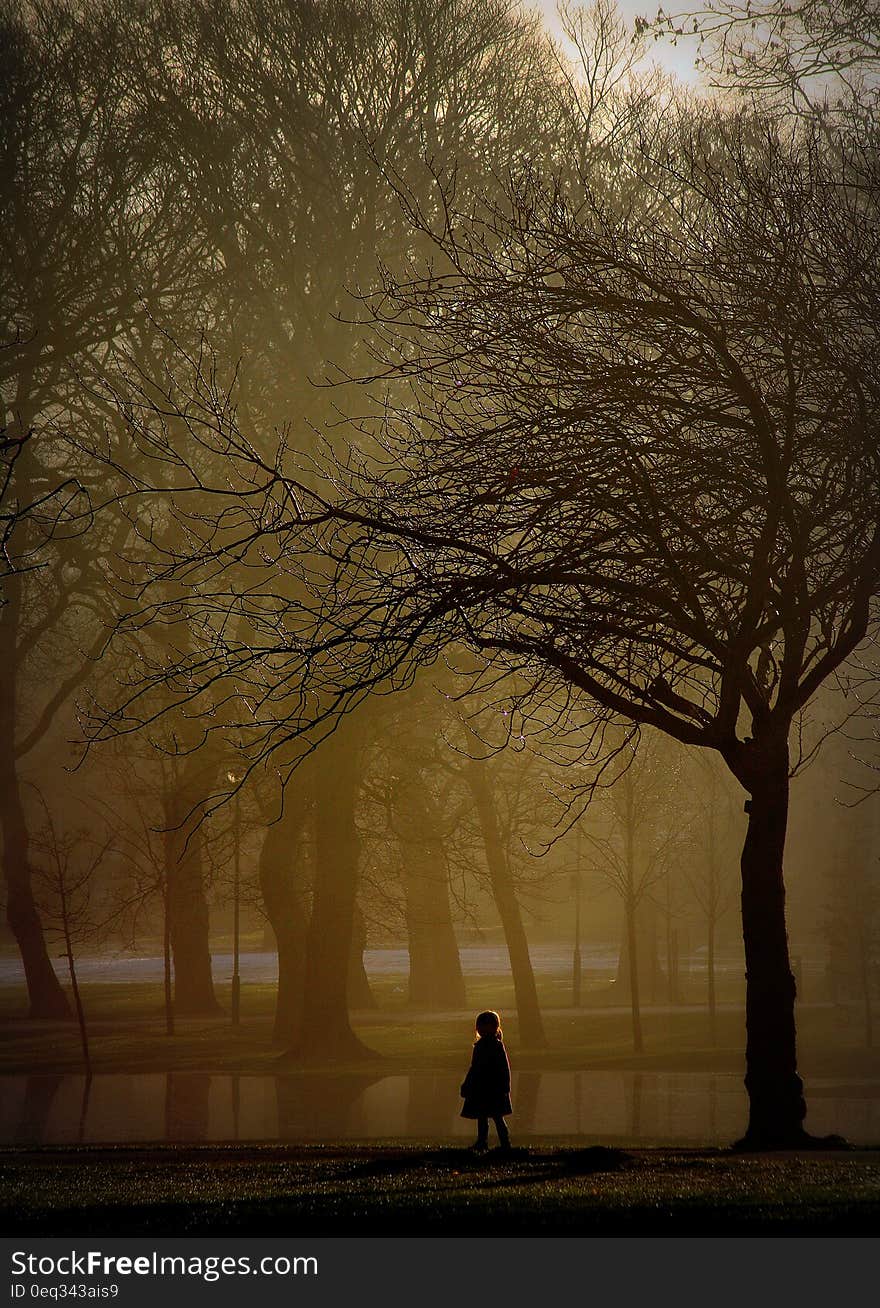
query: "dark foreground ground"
410, 1190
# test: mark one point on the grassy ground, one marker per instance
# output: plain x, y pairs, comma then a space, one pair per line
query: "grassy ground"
127, 1034
548, 1189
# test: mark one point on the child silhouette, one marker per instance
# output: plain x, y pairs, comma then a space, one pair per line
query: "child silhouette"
486, 1088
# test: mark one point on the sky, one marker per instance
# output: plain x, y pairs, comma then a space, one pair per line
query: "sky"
678, 59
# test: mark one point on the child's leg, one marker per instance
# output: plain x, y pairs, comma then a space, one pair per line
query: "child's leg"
482, 1131
503, 1135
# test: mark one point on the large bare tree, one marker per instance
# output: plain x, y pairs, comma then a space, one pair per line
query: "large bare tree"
639, 453
629, 451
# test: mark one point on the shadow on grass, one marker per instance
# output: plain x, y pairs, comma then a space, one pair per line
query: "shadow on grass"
432, 1190
503, 1163
427, 1184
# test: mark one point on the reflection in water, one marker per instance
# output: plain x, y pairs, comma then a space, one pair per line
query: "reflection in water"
186, 1105
634, 1098
39, 1095
429, 1109
313, 1107
525, 1105
84, 1107
236, 1106
695, 1108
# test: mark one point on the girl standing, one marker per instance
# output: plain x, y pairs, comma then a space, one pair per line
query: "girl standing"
486, 1088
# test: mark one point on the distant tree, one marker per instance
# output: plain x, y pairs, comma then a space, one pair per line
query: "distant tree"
135, 803
706, 865
422, 811
490, 784
86, 227
160, 782
285, 875
633, 832
135, 813
279, 119
458, 811
852, 917
66, 867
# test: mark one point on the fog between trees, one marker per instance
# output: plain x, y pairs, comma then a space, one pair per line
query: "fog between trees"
435, 474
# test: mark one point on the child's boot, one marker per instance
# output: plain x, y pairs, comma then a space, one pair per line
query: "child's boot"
481, 1144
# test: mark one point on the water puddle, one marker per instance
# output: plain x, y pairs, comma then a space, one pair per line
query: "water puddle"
624, 1107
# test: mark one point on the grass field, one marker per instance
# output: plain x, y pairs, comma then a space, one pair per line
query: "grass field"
387, 1189
127, 1034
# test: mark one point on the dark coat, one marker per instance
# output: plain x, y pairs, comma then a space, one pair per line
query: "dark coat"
486, 1088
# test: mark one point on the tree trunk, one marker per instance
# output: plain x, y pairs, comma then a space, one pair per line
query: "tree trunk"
776, 1099
712, 899
187, 905
436, 981
45, 993
710, 981
630, 904
359, 993
531, 1024
645, 945
671, 995
649, 957
865, 971
632, 950
167, 970
283, 886
326, 1034
71, 967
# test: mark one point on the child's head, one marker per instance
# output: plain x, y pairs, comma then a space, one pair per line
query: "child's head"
488, 1024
